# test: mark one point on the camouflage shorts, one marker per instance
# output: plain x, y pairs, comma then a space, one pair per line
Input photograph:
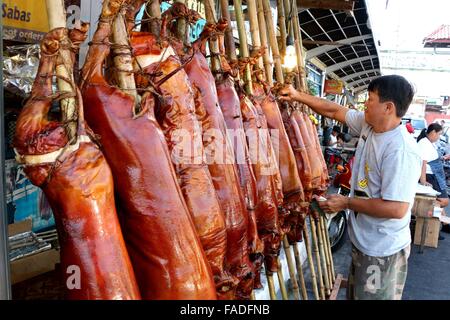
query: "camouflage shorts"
377, 278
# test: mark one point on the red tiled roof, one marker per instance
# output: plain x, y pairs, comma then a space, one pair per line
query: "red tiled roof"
440, 35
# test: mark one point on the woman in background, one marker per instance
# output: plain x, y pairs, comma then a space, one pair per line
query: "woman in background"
432, 167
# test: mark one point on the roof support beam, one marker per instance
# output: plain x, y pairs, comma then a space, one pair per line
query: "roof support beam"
344, 64
359, 89
354, 75
326, 4
360, 81
322, 49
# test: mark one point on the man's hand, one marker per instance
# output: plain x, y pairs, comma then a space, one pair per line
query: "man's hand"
446, 157
334, 203
288, 93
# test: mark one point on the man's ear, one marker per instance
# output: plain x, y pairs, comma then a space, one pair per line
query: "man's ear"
390, 107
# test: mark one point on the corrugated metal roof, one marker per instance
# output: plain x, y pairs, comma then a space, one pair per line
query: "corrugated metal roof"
440, 35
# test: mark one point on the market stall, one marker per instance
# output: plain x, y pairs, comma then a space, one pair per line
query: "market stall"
163, 159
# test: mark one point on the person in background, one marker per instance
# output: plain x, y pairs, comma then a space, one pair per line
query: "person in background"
383, 186
432, 173
340, 140
333, 138
409, 126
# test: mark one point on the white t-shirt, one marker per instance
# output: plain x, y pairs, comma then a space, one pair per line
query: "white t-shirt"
428, 152
387, 166
333, 141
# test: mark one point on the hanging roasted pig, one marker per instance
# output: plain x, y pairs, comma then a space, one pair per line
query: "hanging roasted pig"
220, 158
160, 233
162, 72
265, 167
77, 181
292, 186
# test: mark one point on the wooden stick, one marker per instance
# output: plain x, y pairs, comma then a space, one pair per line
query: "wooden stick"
310, 261
272, 293
290, 261
287, 11
56, 13
153, 9
322, 253
123, 60
298, 45
282, 26
264, 43
230, 47
326, 243
333, 273
283, 290
301, 277
243, 46
273, 41
210, 12
317, 255
254, 28
181, 24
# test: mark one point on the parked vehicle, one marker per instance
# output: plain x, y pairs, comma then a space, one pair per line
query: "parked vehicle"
417, 123
337, 222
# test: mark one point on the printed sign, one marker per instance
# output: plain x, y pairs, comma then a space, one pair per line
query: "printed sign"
24, 200
334, 87
27, 21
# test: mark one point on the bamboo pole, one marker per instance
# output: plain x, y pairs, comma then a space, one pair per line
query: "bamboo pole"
153, 10
333, 273
315, 243
298, 45
301, 277
243, 45
273, 41
210, 13
230, 47
272, 293
264, 43
291, 267
287, 12
122, 57
310, 261
254, 28
282, 26
181, 24
283, 290
326, 243
57, 18
322, 253
330, 253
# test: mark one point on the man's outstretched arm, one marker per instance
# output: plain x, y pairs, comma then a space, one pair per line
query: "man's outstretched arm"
321, 106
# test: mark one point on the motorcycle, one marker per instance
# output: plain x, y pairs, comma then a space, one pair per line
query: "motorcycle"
337, 222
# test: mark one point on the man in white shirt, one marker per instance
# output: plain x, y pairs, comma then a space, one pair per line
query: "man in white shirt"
384, 178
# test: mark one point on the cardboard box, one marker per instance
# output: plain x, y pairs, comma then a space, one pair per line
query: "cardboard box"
432, 228
34, 265
423, 206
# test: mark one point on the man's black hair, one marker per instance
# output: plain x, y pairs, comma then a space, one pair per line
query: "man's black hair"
393, 88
